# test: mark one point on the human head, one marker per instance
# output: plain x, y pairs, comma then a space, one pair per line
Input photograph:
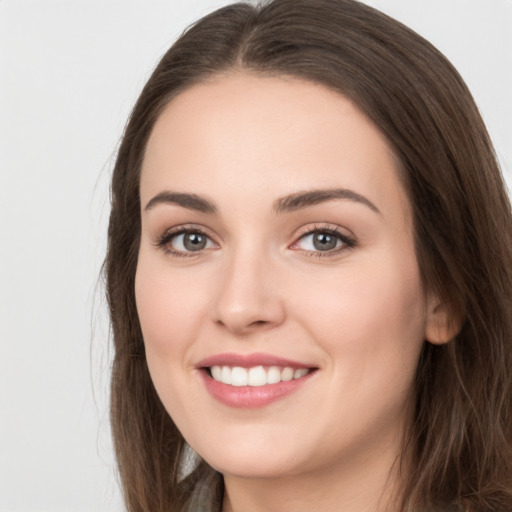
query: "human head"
460, 212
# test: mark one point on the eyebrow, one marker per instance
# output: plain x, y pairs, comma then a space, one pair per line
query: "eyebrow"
289, 203
300, 200
189, 201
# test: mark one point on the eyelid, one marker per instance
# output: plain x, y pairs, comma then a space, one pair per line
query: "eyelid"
348, 241
163, 241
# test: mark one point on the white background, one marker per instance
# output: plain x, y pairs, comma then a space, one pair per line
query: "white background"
69, 74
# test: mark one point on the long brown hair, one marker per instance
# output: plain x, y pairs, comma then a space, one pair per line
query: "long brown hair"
462, 431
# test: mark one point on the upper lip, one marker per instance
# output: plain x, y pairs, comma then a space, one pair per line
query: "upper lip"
249, 361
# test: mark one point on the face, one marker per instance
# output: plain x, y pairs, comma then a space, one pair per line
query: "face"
277, 285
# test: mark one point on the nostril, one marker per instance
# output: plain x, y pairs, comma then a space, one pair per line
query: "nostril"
248, 312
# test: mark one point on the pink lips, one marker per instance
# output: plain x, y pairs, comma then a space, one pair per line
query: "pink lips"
250, 396
248, 360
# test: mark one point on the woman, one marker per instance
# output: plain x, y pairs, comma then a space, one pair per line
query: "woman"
309, 273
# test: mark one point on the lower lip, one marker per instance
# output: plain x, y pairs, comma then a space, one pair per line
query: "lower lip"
251, 397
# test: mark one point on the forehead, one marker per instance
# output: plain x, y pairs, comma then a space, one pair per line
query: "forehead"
250, 132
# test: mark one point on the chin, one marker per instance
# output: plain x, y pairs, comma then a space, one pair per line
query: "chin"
249, 461
256, 469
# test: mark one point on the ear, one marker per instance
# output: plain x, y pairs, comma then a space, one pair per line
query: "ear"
442, 324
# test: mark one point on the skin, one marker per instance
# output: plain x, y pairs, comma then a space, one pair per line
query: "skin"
358, 314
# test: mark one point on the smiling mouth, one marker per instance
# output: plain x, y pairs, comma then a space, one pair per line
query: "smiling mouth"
251, 381
255, 376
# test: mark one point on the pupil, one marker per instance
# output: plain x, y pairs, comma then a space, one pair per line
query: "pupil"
324, 241
194, 242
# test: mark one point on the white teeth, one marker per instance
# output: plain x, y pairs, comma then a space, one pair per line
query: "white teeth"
300, 373
273, 375
239, 376
255, 376
287, 374
216, 372
225, 375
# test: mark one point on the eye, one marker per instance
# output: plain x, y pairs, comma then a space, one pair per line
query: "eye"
185, 241
190, 241
322, 240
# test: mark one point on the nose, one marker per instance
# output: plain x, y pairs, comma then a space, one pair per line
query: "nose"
248, 297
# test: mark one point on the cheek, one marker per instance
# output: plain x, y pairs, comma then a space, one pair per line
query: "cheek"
369, 317
169, 309
169, 306
369, 322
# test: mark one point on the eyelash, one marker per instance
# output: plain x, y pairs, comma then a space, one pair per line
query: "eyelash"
164, 241
346, 241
